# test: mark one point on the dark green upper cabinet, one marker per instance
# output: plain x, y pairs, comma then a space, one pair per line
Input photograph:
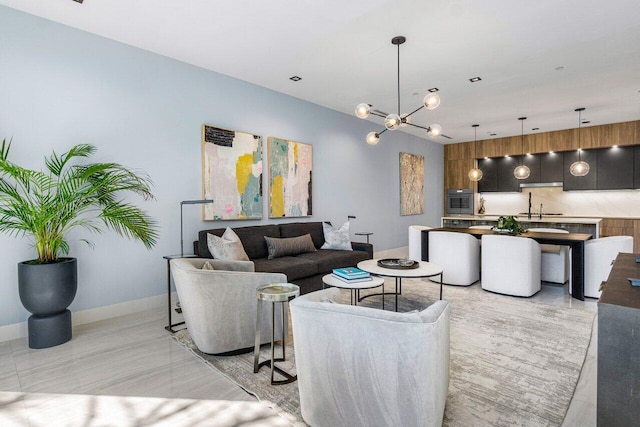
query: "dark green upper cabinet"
587, 182
489, 181
551, 167
615, 168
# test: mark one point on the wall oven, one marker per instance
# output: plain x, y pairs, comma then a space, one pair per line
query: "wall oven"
460, 201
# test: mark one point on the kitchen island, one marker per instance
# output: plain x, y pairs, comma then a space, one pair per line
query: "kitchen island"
571, 224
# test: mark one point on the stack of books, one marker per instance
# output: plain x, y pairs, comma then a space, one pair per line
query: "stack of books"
351, 275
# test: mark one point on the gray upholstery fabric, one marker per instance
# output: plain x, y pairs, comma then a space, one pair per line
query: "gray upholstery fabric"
252, 239
289, 246
328, 259
294, 267
295, 229
220, 306
360, 366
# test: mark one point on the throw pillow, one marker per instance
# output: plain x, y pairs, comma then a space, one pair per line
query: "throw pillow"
228, 247
289, 246
207, 266
336, 238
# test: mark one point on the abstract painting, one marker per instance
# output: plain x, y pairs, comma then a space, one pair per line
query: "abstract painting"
411, 184
232, 174
290, 170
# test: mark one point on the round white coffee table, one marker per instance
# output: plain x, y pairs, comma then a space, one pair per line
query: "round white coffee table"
425, 269
330, 280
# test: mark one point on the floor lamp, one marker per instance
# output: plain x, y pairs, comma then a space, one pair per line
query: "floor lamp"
188, 202
170, 326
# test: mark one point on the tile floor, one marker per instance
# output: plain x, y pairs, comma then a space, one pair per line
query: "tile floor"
127, 371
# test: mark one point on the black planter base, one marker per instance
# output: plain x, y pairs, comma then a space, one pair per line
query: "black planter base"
49, 331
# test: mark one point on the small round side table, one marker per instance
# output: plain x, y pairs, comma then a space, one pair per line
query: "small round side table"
275, 293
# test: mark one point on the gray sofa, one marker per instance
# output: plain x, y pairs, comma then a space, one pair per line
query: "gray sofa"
305, 270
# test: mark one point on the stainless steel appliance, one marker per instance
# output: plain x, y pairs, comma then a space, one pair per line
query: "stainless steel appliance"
460, 201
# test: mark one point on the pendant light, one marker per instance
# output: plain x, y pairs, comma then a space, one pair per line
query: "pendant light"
475, 174
395, 121
522, 171
579, 168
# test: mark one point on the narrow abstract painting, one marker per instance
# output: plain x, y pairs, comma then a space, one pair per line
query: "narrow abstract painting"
290, 171
411, 184
232, 174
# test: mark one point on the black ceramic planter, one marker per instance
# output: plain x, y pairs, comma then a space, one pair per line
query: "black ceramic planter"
46, 290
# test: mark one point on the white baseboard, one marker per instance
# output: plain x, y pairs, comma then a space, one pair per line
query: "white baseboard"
19, 330
402, 252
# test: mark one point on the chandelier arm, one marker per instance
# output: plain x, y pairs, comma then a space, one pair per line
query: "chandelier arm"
415, 111
418, 126
383, 131
373, 113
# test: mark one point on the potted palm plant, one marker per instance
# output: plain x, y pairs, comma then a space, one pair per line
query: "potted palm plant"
46, 206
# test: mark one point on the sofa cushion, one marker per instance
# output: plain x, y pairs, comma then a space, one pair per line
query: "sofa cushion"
289, 246
295, 229
328, 259
252, 239
293, 267
336, 238
228, 247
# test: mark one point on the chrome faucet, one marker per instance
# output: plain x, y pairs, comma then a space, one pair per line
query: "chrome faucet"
529, 211
540, 211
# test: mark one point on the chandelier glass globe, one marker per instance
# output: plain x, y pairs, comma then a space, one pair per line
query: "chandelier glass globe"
372, 138
431, 101
363, 110
434, 131
392, 122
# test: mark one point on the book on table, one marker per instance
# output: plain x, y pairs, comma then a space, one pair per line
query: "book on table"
356, 280
350, 273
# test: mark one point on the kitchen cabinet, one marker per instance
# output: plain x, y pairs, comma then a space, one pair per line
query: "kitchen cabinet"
636, 167
615, 168
507, 182
551, 167
587, 182
489, 181
532, 161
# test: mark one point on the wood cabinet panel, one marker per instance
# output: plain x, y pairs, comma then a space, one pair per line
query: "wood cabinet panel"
622, 227
619, 134
456, 174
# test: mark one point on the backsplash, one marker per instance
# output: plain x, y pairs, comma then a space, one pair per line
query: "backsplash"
611, 204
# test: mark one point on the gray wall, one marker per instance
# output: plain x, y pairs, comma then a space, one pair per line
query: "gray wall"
60, 86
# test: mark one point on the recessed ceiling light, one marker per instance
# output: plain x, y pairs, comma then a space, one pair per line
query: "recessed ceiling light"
492, 134
434, 89
560, 68
78, 1
584, 122
295, 78
535, 128
474, 79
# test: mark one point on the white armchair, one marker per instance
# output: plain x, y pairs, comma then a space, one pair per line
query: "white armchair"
554, 262
599, 255
220, 306
510, 265
458, 254
415, 241
360, 366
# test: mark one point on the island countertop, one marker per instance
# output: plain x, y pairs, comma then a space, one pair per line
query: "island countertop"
557, 219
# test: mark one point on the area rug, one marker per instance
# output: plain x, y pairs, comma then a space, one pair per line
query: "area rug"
514, 362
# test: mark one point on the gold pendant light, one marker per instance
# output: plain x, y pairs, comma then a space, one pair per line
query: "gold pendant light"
475, 174
522, 171
579, 168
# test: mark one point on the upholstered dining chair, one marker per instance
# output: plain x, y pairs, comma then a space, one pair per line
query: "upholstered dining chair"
415, 241
599, 255
458, 254
360, 366
554, 262
220, 306
510, 265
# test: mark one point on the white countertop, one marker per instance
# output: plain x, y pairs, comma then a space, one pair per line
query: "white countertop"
548, 219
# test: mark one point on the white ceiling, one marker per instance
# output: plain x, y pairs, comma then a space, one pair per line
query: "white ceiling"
343, 52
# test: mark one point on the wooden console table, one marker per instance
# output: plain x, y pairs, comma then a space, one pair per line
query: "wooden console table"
619, 345
574, 240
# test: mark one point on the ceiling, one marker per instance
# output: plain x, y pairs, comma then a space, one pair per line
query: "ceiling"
343, 52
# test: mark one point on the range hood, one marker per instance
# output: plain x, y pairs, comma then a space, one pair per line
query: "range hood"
540, 184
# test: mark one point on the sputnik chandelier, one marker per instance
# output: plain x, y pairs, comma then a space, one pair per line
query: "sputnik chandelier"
394, 121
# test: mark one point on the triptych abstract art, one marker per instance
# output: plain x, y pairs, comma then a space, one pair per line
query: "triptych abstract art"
290, 171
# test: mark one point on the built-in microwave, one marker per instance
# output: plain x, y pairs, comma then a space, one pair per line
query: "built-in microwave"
460, 201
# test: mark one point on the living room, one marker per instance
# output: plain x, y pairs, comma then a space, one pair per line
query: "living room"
63, 85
